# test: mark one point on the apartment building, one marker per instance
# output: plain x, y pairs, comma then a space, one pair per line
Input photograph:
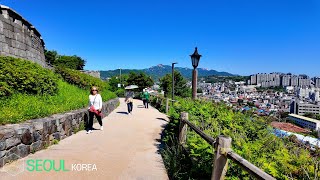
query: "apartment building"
300, 108
305, 122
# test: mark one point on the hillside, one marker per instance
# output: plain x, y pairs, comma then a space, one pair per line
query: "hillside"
160, 70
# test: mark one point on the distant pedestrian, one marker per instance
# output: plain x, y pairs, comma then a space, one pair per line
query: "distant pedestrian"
129, 101
146, 97
142, 96
95, 107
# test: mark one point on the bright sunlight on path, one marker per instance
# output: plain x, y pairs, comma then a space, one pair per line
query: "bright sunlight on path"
127, 148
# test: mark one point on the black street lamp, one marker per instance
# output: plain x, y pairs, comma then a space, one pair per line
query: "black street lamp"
195, 58
172, 95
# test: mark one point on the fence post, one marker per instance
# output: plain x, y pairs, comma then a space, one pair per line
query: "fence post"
167, 105
183, 128
222, 147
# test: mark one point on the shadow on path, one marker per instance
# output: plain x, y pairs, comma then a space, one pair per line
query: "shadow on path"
159, 142
162, 119
122, 112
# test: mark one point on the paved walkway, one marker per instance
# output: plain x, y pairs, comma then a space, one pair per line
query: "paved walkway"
127, 148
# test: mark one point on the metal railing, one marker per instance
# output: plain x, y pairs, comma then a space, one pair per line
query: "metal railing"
223, 152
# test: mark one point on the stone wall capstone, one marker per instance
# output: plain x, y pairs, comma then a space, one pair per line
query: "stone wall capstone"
19, 38
34, 135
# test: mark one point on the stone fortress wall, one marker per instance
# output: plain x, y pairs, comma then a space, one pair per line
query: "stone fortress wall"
19, 38
91, 73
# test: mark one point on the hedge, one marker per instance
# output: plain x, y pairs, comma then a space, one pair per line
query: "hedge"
21, 76
80, 79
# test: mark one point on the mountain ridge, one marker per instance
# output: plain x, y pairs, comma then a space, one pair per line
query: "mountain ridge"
161, 70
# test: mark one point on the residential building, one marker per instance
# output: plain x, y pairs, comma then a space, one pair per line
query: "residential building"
285, 80
301, 108
294, 80
305, 122
317, 82
253, 79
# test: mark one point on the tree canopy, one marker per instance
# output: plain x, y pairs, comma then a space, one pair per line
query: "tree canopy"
180, 85
72, 62
140, 79
115, 80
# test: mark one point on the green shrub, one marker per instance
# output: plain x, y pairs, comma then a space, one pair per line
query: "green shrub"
18, 75
120, 92
80, 79
20, 107
251, 138
5, 89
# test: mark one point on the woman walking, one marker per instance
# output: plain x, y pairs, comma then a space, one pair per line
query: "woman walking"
129, 101
95, 107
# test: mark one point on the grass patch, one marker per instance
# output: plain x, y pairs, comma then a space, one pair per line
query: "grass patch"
21, 107
55, 141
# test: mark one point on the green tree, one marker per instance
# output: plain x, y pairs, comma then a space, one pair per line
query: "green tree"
72, 62
310, 115
115, 80
51, 56
180, 85
140, 79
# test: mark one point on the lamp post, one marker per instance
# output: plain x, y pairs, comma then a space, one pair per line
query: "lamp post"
172, 96
195, 58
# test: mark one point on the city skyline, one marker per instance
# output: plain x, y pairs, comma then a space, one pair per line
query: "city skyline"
237, 37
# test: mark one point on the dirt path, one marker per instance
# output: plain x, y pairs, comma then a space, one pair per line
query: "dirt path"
127, 148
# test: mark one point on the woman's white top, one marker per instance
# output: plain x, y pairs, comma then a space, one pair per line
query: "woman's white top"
96, 101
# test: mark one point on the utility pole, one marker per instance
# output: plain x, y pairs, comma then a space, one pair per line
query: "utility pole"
172, 96
120, 78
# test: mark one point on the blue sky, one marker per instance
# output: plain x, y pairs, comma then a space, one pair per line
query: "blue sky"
237, 36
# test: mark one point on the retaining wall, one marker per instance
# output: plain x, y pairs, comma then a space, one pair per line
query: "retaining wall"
19, 140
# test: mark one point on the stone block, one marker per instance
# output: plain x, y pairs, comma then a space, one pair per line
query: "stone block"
51, 137
23, 150
57, 136
38, 126
36, 146
2, 145
27, 138
36, 136
13, 141
3, 153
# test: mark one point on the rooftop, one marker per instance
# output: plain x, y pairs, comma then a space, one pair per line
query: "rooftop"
304, 118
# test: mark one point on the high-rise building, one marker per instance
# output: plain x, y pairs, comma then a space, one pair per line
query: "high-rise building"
317, 82
253, 79
279, 79
316, 96
285, 80
301, 108
304, 82
294, 80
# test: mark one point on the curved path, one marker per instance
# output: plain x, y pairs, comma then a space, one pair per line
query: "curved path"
127, 148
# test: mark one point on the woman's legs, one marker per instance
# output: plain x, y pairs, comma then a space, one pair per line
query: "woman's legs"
90, 123
131, 106
129, 109
99, 119
147, 104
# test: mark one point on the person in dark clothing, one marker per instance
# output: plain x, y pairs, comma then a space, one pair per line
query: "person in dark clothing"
129, 101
